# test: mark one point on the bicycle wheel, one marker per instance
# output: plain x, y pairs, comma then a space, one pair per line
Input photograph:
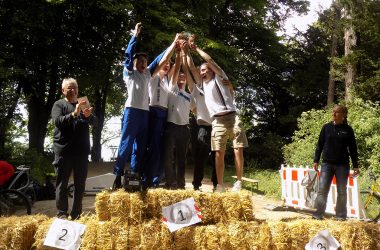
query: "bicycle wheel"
371, 203
14, 202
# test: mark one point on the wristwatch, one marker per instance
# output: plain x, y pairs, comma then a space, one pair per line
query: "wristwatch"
73, 114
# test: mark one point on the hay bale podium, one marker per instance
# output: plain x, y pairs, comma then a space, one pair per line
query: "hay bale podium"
134, 221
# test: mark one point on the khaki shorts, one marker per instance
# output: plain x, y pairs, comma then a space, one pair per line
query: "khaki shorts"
225, 127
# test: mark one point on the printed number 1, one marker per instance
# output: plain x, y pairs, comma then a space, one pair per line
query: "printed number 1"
181, 214
64, 234
321, 246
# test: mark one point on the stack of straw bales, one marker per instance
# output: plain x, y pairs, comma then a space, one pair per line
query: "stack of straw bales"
133, 221
138, 207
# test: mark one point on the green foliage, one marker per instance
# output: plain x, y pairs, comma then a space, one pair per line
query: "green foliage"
40, 163
363, 117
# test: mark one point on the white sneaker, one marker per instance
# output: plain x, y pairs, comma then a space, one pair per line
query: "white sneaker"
219, 189
236, 187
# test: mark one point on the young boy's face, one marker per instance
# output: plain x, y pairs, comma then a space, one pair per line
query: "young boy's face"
141, 63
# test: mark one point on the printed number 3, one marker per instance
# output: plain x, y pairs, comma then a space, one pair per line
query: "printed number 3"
321, 246
64, 230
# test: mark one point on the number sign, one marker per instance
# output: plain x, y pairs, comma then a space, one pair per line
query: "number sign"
64, 234
181, 214
323, 241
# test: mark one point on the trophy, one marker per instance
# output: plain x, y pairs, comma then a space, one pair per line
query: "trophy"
188, 37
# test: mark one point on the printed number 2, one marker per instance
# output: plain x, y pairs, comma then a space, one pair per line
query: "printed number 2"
321, 246
181, 214
64, 230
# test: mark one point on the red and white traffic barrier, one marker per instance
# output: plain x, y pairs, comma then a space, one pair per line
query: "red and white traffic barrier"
294, 194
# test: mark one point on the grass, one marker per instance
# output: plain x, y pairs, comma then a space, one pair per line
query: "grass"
269, 180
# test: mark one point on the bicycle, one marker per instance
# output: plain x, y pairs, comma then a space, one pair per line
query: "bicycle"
371, 199
14, 202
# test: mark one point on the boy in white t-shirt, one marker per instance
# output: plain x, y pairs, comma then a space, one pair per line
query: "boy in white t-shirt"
177, 134
225, 122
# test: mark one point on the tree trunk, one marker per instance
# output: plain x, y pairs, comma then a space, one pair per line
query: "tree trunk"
39, 108
349, 44
5, 122
100, 109
38, 117
333, 53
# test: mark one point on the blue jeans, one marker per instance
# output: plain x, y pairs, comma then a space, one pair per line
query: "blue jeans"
134, 134
341, 173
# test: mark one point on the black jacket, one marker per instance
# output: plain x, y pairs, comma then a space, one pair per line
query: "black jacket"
71, 135
337, 142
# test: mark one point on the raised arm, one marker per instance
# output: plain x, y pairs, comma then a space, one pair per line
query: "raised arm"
184, 56
162, 58
177, 66
211, 63
194, 70
131, 49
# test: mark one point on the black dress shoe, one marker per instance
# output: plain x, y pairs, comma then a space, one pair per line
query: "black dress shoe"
317, 217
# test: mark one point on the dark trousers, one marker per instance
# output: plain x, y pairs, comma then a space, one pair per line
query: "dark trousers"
176, 140
341, 173
79, 166
153, 169
201, 154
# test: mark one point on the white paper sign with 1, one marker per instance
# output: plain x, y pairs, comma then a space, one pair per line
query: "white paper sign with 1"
181, 214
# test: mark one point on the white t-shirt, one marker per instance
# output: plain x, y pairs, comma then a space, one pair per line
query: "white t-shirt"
180, 103
203, 116
218, 103
137, 88
158, 91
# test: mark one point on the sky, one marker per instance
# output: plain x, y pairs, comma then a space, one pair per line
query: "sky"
302, 22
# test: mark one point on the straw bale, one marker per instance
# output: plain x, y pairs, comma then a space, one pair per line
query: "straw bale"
206, 237
106, 235
232, 207
154, 235
122, 236
152, 203
41, 233
89, 240
246, 206
134, 236
17, 232
211, 206
170, 197
184, 238
243, 235
101, 206
265, 238
5, 232
119, 205
281, 235
136, 209
355, 235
